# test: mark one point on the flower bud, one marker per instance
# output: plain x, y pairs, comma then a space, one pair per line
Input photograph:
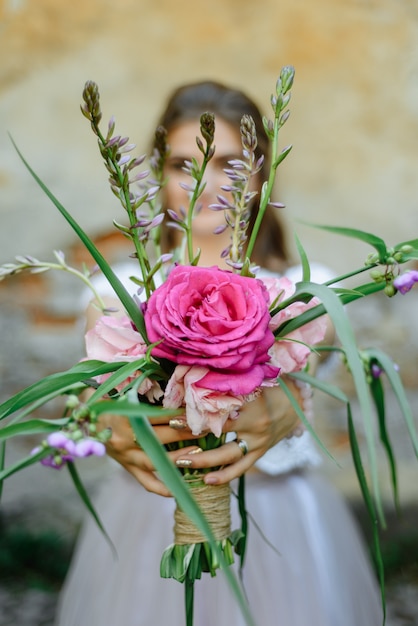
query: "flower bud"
406, 249
377, 275
207, 127
287, 76
72, 401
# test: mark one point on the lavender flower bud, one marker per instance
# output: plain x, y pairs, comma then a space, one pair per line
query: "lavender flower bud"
207, 127
110, 127
277, 205
161, 149
165, 258
173, 215
220, 229
91, 97
287, 76
248, 133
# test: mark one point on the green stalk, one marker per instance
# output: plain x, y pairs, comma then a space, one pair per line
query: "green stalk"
139, 247
267, 188
196, 193
189, 600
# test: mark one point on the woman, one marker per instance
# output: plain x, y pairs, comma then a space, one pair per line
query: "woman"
305, 563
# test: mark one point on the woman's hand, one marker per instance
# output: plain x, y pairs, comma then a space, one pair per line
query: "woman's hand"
123, 448
261, 424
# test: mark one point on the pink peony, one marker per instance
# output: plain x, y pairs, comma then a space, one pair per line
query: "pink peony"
217, 320
205, 409
114, 339
291, 353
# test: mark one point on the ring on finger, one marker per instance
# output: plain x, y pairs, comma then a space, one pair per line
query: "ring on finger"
177, 424
243, 446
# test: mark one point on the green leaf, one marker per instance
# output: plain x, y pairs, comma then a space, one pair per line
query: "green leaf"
303, 418
31, 427
361, 235
335, 309
56, 384
85, 498
328, 388
244, 523
411, 242
25, 462
306, 269
395, 381
122, 293
355, 450
2, 461
378, 395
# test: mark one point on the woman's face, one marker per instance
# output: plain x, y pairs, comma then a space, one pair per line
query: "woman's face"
182, 142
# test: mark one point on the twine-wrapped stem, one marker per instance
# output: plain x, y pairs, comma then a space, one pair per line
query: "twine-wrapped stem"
214, 501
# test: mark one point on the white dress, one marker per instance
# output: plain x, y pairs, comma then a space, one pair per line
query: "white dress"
306, 564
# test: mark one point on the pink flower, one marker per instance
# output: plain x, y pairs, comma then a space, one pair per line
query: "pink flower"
214, 319
291, 353
114, 339
205, 409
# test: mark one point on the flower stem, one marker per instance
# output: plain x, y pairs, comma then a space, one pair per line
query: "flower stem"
279, 103
189, 600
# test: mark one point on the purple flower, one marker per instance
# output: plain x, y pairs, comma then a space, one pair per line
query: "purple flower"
87, 447
406, 281
61, 441
376, 370
56, 462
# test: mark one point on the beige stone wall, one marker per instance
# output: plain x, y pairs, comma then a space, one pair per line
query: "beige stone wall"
354, 122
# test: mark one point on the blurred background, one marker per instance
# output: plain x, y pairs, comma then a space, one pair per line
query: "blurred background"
354, 131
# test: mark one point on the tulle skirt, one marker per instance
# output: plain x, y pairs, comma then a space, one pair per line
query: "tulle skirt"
305, 562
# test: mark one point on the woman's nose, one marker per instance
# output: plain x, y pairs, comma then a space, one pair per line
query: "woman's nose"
212, 182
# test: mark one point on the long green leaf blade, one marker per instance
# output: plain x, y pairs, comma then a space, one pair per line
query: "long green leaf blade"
85, 498
355, 450
355, 233
334, 308
56, 384
172, 479
122, 293
378, 395
396, 383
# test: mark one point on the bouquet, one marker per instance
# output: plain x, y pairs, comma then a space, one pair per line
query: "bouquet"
203, 341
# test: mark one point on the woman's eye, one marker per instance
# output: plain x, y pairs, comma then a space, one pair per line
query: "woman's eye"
176, 165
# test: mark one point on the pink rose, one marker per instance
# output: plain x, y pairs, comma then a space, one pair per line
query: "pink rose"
291, 353
114, 339
205, 409
215, 319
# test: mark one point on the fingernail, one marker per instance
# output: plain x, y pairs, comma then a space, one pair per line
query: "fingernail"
177, 424
210, 480
195, 451
183, 463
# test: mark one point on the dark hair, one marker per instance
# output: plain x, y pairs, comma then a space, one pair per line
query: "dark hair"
189, 102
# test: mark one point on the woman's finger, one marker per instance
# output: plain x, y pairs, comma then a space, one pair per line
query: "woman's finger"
224, 455
149, 481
